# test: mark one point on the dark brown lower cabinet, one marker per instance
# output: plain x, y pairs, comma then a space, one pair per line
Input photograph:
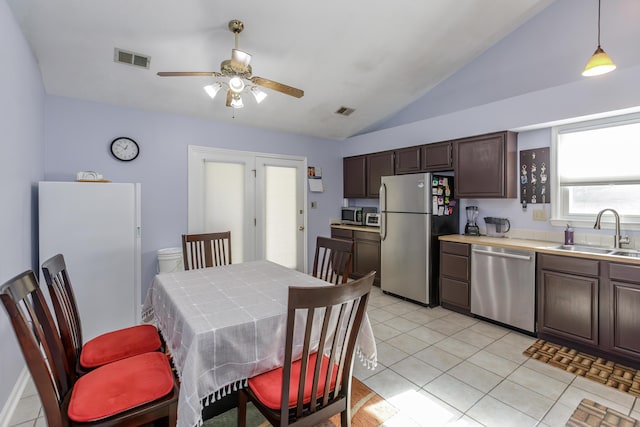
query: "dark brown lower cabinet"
366, 256
455, 276
625, 309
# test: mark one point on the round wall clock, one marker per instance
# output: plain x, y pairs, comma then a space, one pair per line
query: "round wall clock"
125, 149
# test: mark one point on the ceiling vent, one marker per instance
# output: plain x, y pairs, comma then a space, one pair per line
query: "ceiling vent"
131, 58
345, 111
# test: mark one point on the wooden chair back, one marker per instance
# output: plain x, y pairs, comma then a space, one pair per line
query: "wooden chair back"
330, 318
63, 299
206, 250
332, 261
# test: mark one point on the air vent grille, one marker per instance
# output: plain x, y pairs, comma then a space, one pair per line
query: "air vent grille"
345, 111
132, 58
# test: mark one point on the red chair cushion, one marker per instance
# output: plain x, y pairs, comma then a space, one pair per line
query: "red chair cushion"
268, 386
119, 345
120, 386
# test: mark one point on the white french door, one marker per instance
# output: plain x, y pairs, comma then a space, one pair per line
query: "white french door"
259, 197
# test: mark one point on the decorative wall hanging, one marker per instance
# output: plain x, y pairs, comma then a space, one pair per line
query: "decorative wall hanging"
534, 176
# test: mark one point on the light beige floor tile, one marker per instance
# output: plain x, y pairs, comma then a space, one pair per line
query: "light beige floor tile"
636, 405
550, 371
476, 377
521, 398
493, 363
457, 347
389, 384
635, 415
388, 354
518, 340
507, 350
474, 338
378, 315
402, 307
382, 300
438, 312
401, 324
465, 421
604, 391
40, 422
383, 332
540, 383
400, 420
558, 415
574, 395
416, 371
427, 410
489, 330
444, 327
28, 408
427, 335
454, 392
361, 372
492, 412
438, 358
460, 319
420, 316
407, 343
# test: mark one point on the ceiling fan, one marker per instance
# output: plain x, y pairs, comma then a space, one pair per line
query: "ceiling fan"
237, 70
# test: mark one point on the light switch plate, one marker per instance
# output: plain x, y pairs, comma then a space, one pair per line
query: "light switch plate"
539, 215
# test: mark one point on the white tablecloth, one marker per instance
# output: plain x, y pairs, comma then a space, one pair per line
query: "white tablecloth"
226, 324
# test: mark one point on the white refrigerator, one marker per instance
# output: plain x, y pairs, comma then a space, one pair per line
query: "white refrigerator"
96, 227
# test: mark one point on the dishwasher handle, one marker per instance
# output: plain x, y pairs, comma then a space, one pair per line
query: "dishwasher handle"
502, 254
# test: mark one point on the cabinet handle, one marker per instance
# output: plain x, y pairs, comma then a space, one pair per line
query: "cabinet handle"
383, 208
502, 254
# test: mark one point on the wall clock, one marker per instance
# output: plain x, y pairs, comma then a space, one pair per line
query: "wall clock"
125, 149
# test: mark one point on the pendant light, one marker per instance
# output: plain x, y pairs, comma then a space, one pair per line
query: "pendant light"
600, 63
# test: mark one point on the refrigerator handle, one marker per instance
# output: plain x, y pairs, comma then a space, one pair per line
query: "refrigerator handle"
383, 209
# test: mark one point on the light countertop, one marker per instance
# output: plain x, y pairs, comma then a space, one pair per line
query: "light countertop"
366, 228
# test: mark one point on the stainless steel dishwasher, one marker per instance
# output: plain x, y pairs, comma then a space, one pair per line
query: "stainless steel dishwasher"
503, 286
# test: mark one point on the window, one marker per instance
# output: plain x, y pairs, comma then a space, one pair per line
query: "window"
597, 166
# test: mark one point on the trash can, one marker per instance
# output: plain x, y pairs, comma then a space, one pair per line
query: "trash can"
170, 260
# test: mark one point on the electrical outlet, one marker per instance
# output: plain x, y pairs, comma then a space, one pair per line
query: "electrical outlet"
539, 215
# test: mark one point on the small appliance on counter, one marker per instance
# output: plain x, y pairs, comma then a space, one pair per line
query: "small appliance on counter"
497, 227
472, 229
372, 220
356, 215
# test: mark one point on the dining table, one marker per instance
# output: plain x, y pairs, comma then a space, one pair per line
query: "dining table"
223, 325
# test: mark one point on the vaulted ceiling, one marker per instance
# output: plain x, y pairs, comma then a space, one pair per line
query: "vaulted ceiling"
374, 58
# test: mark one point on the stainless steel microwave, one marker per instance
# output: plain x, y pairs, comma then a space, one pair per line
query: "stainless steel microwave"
356, 216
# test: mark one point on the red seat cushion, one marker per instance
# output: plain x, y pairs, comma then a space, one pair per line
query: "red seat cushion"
120, 386
268, 386
119, 345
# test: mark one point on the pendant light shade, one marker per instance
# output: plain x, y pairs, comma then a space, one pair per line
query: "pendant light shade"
600, 63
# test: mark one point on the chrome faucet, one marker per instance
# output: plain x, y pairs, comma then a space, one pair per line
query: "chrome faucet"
617, 238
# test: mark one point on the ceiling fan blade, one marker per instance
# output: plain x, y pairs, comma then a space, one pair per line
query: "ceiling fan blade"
229, 98
189, 73
270, 84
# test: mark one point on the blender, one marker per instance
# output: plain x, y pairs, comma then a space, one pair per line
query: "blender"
472, 229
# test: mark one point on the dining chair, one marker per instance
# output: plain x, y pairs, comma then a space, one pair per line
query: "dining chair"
315, 381
206, 250
134, 391
332, 261
103, 349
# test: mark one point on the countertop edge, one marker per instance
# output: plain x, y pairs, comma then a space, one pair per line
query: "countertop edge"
365, 228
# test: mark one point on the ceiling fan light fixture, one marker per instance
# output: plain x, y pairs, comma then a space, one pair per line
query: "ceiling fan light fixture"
258, 94
236, 84
236, 101
600, 63
240, 59
213, 89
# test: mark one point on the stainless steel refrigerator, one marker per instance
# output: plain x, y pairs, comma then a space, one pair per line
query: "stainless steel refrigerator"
415, 210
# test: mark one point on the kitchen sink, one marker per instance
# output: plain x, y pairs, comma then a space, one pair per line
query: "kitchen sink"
626, 252
585, 248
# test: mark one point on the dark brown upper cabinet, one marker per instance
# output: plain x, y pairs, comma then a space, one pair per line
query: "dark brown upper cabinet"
355, 177
409, 160
378, 165
485, 166
437, 157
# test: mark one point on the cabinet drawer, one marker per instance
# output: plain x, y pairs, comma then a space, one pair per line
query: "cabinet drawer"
454, 292
625, 272
566, 264
365, 235
340, 233
454, 266
455, 248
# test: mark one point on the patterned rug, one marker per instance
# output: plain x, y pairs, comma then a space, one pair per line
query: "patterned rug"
605, 372
592, 414
368, 409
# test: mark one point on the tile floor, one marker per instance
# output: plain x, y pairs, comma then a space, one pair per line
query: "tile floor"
442, 368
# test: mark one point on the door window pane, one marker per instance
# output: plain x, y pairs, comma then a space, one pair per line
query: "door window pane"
280, 215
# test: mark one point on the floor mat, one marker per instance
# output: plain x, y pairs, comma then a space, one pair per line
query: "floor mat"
605, 372
592, 414
368, 409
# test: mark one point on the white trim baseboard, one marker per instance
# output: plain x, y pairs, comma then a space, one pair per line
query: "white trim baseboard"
12, 402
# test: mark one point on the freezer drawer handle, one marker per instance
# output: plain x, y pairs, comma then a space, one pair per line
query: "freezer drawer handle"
503, 255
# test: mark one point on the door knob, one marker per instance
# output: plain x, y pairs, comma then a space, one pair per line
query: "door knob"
301, 228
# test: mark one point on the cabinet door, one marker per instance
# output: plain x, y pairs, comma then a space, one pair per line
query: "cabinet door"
355, 177
378, 165
485, 166
625, 318
454, 292
437, 157
568, 306
366, 255
408, 160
